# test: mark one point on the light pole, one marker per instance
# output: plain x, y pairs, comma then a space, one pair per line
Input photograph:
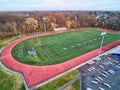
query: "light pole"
103, 36
44, 24
37, 36
75, 22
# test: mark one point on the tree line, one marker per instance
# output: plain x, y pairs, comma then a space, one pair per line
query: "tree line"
17, 23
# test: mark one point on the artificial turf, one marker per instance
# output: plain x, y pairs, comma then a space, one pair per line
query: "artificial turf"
60, 47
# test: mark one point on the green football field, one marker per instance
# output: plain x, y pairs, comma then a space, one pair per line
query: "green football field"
61, 47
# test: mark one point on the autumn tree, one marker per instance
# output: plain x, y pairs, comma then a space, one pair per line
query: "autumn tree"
52, 21
53, 25
31, 24
10, 29
60, 19
68, 24
47, 24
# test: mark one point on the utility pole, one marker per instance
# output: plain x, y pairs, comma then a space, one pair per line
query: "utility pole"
44, 19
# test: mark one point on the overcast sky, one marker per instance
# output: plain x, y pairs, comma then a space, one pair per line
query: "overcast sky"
45, 5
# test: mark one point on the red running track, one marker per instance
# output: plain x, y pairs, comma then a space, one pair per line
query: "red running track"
108, 30
38, 74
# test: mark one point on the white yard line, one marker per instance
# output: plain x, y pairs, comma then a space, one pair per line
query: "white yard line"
64, 48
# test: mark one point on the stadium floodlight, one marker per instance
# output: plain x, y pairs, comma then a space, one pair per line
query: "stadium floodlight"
75, 22
103, 36
44, 23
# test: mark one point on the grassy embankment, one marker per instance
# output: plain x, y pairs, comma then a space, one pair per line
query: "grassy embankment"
8, 80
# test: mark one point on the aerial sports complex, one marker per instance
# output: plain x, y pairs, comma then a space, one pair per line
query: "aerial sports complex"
43, 57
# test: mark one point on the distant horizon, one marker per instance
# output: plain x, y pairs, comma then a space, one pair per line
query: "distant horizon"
59, 5
63, 11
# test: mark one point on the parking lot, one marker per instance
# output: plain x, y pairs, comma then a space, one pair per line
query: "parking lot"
104, 75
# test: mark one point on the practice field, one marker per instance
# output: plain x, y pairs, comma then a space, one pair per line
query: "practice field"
58, 48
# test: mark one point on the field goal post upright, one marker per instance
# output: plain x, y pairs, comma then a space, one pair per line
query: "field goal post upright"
38, 40
20, 51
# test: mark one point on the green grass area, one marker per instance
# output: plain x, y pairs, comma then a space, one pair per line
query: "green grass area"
3, 42
8, 80
58, 48
59, 82
75, 86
